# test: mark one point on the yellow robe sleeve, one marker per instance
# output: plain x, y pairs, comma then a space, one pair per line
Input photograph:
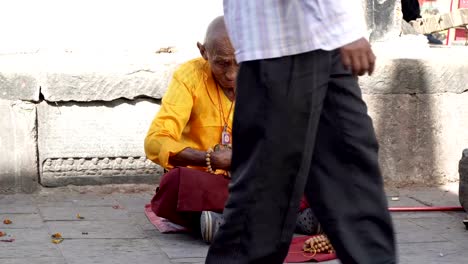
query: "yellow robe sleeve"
163, 138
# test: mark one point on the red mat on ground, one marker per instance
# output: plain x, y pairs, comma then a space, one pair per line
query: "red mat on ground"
297, 255
162, 224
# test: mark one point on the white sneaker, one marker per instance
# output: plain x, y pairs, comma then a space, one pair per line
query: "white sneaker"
209, 225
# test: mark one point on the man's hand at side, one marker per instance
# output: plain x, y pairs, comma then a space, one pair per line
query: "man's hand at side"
358, 57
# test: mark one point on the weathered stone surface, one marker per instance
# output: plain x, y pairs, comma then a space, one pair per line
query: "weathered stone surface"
96, 229
29, 243
19, 86
18, 160
108, 247
409, 232
417, 69
421, 136
19, 77
383, 19
463, 172
21, 220
87, 212
95, 143
83, 78
407, 29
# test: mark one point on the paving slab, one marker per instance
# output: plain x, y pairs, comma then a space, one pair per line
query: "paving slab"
75, 200
434, 253
423, 237
29, 243
18, 208
96, 229
89, 213
19, 199
21, 221
124, 259
35, 260
107, 247
410, 215
449, 228
188, 260
133, 204
141, 220
409, 232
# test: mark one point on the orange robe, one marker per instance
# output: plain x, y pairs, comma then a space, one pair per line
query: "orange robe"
191, 116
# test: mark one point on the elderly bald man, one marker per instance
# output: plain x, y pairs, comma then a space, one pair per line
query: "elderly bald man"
191, 138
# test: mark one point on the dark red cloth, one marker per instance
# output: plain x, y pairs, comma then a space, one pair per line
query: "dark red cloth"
184, 190
297, 255
304, 204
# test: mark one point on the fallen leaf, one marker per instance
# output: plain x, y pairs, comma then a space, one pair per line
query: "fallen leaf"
7, 221
57, 241
57, 235
2, 234
79, 216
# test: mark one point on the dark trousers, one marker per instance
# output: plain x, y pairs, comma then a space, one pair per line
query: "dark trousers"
410, 10
300, 126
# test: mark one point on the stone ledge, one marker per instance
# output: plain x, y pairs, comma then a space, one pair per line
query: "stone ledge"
87, 77
84, 78
404, 69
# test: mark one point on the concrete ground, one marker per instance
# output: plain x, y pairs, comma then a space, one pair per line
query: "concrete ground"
115, 229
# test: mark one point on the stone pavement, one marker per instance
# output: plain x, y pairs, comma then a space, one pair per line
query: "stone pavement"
115, 229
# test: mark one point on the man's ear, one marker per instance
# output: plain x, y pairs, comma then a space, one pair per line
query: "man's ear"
202, 50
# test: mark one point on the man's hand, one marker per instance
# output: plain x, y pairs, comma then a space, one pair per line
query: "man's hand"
358, 57
221, 159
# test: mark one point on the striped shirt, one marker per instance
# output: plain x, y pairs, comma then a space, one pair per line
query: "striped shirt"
263, 29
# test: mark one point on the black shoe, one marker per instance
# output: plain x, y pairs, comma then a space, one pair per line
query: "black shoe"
433, 40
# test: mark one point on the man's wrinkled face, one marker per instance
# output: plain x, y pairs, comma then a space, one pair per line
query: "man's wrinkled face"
220, 56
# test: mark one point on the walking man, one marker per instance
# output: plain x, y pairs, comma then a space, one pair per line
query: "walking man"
301, 126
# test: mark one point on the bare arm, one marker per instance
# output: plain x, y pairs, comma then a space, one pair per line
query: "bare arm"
190, 157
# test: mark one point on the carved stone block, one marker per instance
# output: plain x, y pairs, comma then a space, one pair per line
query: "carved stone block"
95, 143
91, 171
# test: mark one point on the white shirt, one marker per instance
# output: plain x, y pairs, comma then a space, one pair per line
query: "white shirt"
263, 29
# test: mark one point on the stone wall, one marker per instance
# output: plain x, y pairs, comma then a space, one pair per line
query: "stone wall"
82, 123
80, 118
73, 118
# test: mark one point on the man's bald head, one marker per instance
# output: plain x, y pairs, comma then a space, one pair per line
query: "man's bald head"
218, 51
216, 32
